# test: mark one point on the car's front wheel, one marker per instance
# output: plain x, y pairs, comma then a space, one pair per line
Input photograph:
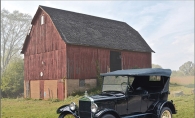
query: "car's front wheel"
64, 115
166, 113
108, 116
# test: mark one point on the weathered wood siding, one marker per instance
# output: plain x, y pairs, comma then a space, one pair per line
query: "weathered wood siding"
82, 61
136, 60
45, 52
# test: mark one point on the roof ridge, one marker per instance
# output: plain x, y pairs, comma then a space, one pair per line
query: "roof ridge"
82, 14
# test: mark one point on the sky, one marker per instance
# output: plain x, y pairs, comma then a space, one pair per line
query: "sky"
167, 26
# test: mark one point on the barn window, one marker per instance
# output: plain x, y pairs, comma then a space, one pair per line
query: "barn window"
42, 20
81, 83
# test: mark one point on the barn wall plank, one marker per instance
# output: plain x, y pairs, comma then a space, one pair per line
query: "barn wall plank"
82, 61
135, 60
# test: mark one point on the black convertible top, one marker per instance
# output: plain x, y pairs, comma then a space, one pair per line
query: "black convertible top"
140, 72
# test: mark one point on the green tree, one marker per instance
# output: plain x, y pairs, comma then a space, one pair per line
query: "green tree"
156, 66
13, 79
14, 28
187, 68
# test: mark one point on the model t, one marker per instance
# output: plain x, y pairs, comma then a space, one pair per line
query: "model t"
134, 93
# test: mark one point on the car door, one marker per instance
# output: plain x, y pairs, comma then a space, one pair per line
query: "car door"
144, 102
134, 103
121, 106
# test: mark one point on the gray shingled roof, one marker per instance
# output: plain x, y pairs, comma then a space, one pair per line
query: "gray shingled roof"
82, 29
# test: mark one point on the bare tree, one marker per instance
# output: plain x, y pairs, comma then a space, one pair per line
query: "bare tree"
14, 28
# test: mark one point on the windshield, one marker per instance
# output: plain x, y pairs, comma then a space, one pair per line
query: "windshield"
115, 83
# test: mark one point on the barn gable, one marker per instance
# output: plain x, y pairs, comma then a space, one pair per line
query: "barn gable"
40, 34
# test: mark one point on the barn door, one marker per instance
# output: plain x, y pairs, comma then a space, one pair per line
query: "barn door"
60, 90
35, 89
115, 60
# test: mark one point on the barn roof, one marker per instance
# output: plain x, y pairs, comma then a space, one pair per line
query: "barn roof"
82, 29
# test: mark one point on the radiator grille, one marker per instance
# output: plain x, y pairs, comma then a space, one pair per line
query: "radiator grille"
85, 109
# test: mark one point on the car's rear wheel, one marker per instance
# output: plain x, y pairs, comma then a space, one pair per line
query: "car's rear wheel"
108, 116
166, 113
63, 115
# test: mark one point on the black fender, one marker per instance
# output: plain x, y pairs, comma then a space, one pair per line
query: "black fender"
162, 104
66, 109
102, 112
63, 108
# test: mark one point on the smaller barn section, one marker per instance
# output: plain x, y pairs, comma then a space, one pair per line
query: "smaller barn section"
65, 51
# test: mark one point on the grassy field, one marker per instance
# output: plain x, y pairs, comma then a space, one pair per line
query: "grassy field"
184, 104
22, 108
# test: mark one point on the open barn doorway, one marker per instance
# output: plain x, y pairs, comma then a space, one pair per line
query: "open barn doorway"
115, 60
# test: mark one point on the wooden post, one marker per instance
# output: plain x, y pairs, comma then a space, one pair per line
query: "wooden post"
65, 87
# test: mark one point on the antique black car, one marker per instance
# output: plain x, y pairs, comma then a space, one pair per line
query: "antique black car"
134, 93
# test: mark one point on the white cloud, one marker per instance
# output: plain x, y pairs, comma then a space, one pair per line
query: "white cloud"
144, 22
185, 43
178, 19
180, 39
156, 8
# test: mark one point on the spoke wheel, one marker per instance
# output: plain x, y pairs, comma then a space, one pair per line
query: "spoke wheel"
166, 113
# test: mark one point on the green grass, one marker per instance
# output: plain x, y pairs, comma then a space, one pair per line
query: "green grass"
184, 104
22, 108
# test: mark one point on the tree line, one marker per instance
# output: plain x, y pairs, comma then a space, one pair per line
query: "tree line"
14, 28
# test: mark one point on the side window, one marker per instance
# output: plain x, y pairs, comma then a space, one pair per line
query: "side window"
81, 83
42, 20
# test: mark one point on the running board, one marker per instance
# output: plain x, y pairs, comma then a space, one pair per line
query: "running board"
141, 115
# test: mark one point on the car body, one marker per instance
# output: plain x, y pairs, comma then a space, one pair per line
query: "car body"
133, 93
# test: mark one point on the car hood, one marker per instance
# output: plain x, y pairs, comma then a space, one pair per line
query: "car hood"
106, 97
103, 101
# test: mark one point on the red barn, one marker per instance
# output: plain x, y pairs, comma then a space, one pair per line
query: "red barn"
64, 50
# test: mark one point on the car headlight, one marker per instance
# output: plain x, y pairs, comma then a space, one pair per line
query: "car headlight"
94, 107
72, 106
